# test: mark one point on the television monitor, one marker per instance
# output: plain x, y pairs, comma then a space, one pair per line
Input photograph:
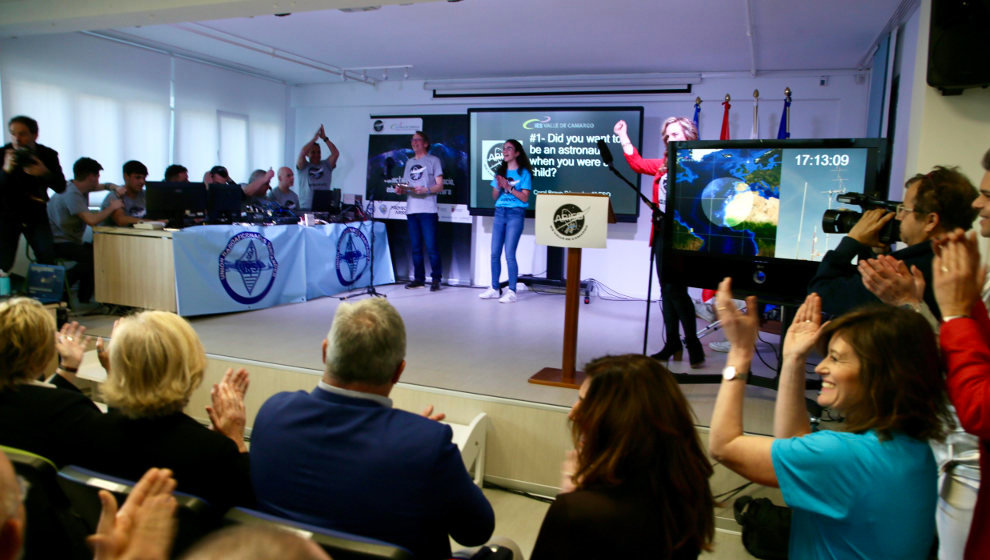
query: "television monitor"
326, 201
180, 204
223, 203
752, 209
562, 146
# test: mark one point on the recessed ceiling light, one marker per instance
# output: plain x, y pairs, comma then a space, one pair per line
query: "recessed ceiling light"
357, 10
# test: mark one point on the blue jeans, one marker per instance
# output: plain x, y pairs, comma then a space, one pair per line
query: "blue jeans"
423, 230
506, 230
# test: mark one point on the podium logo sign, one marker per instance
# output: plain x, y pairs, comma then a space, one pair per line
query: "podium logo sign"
248, 267
352, 255
569, 222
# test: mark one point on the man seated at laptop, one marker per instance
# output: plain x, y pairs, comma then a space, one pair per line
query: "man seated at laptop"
256, 187
133, 197
284, 195
176, 173
68, 215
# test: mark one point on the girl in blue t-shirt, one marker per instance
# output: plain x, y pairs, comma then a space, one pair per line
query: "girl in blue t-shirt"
511, 187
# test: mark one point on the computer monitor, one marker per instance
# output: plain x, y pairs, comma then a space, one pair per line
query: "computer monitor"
180, 204
223, 203
326, 201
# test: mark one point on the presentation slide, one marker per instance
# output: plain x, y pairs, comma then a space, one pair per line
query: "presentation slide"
562, 147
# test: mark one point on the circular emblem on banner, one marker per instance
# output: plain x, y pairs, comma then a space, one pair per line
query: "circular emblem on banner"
378, 125
568, 221
352, 255
493, 158
248, 267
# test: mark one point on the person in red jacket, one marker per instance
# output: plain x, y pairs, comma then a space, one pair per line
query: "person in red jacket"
678, 309
965, 340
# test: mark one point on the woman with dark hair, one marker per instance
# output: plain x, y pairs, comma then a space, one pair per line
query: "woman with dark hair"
678, 309
869, 490
637, 484
510, 190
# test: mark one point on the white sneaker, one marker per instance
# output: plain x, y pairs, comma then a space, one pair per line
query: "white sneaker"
509, 297
720, 346
490, 293
704, 311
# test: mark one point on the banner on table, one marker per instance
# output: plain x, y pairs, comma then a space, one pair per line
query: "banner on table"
338, 258
222, 269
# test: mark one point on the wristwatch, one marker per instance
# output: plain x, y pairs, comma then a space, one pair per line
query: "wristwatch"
730, 373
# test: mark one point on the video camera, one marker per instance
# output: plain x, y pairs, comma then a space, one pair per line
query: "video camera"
842, 220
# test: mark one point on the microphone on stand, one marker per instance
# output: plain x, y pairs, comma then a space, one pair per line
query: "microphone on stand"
605, 153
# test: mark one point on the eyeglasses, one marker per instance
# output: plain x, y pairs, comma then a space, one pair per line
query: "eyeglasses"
901, 210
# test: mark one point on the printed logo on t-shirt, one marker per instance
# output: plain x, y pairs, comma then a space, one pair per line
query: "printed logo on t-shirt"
315, 172
416, 172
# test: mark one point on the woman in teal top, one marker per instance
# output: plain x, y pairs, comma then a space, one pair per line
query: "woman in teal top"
511, 187
867, 491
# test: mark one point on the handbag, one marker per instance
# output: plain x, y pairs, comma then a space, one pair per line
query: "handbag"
766, 527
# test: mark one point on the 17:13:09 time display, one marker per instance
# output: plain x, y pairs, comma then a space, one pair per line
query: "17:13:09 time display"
822, 159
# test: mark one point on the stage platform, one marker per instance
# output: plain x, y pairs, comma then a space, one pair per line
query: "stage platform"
460, 343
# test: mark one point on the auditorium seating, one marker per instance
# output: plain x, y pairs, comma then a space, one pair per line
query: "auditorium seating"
470, 439
53, 530
195, 516
340, 545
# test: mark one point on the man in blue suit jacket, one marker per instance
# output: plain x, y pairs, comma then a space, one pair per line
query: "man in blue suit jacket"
341, 457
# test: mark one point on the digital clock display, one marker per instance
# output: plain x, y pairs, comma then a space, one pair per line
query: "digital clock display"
826, 160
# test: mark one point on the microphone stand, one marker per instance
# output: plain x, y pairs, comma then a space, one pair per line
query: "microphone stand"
656, 218
369, 216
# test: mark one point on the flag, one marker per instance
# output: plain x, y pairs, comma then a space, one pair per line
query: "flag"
697, 114
784, 132
755, 132
725, 119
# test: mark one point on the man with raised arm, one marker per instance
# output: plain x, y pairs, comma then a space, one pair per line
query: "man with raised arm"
315, 173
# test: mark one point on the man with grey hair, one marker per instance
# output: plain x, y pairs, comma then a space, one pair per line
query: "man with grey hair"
11, 511
341, 457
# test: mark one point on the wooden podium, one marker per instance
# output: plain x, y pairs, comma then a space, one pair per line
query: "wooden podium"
573, 221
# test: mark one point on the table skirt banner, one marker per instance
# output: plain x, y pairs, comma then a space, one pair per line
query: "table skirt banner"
338, 258
220, 269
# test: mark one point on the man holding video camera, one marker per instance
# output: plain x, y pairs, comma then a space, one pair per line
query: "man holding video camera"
29, 170
935, 203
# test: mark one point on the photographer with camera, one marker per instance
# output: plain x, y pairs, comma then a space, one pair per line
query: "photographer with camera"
29, 170
935, 203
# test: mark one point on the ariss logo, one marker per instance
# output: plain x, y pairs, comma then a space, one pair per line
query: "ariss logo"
378, 125
493, 158
352, 255
248, 267
568, 221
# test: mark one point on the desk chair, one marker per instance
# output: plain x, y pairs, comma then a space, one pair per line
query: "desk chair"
339, 545
53, 529
195, 516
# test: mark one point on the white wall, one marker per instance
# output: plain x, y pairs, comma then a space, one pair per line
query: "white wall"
110, 101
836, 109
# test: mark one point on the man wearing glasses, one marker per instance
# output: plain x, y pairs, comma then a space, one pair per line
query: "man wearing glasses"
935, 203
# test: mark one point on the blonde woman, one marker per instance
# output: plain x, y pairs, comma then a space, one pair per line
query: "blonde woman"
156, 361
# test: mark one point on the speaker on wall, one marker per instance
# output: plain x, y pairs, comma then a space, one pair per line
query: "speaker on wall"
959, 45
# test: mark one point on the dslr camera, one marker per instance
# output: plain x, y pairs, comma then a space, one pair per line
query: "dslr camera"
843, 220
23, 157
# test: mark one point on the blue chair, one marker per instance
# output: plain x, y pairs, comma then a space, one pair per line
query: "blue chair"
195, 516
340, 545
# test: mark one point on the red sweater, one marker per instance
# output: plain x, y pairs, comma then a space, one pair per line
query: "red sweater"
655, 167
966, 348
